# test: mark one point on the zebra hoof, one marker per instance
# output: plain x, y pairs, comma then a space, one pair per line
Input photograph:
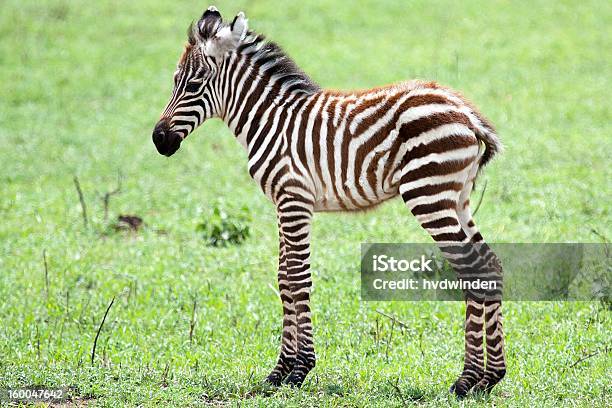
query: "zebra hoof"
274, 379
458, 390
483, 387
295, 379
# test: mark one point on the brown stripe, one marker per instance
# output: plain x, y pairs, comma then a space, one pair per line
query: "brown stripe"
316, 142
437, 169
292, 123
426, 123
344, 153
477, 237
430, 190
274, 187
433, 207
441, 223
443, 145
241, 94
371, 174
331, 157
373, 117
281, 124
301, 136
248, 107
450, 237
410, 102
412, 129
226, 79
256, 121
383, 133
366, 148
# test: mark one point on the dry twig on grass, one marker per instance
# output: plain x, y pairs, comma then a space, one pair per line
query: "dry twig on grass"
93, 350
106, 196
44, 254
484, 189
193, 321
81, 200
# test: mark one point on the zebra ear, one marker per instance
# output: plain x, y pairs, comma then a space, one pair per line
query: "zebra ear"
227, 38
209, 23
240, 26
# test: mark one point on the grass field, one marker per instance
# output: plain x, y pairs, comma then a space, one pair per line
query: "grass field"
83, 83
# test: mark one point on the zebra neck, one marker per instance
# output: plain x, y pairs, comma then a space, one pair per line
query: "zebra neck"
256, 86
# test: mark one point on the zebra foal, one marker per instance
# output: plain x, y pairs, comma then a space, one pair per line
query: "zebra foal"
315, 150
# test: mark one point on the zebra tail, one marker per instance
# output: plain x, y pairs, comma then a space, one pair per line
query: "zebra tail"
491, 141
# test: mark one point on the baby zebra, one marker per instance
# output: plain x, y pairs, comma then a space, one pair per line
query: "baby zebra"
312, 149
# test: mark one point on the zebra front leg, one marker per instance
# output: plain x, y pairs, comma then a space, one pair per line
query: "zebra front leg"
295, 217
288, 351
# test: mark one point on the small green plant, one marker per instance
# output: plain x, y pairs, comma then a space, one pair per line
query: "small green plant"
223, 229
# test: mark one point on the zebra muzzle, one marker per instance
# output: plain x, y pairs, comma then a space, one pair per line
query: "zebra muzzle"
166, 141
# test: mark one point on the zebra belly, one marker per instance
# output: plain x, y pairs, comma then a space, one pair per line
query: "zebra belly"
349, 194
333, 205
364, 179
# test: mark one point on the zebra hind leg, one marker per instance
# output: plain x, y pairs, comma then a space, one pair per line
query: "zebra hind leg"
483, 317
437, 207
288, 351
495, 359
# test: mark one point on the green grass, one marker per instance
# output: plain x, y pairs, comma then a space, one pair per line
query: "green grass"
81, 86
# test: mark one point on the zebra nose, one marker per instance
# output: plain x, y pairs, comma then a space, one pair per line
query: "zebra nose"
160, 131
166, 142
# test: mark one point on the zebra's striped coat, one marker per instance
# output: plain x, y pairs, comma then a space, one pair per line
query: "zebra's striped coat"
315, 150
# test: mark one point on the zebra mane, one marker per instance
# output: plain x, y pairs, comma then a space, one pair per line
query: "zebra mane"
192, 38
276, 63
267, 54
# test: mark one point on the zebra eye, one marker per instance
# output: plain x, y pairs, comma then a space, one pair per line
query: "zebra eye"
193, 86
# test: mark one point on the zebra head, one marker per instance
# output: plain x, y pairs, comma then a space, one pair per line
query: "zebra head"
195, 96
